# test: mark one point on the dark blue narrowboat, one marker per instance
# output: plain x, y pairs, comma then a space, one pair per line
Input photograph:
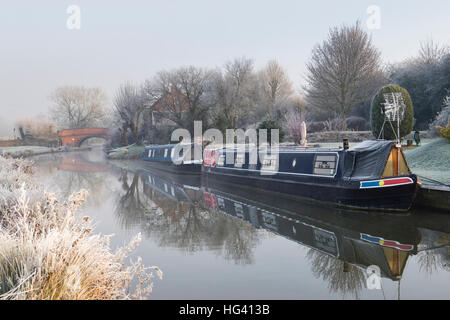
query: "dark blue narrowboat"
373, 175
171, 159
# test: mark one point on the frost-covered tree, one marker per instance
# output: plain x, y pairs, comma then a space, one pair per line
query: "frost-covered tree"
426, 77
129, 105
344, 71
234, 94
442, 118
78, 107
276, 86
432, 52
38, 127
181, 93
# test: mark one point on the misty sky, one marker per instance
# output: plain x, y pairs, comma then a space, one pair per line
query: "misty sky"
132, 40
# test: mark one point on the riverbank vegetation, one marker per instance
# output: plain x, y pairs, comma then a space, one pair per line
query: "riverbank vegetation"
48, 251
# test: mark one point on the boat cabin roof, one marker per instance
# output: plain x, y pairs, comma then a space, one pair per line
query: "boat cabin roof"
166, 146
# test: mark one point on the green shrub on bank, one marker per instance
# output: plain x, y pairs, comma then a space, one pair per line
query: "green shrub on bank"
377, 117
269, 125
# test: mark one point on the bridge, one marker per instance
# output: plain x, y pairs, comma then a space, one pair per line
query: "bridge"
75, 137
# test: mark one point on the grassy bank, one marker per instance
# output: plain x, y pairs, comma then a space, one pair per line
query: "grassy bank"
129, 152
431, 160
27, 151
48, 252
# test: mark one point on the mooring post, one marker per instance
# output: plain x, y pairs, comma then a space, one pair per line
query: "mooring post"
346, 144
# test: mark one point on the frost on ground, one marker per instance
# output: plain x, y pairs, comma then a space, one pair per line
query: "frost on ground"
431, 160
25, 151
129, 152
48, 252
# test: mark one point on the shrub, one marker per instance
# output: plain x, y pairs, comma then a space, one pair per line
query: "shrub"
48, 252
292, 125
336, 124
316, 126
377, 117
357, 123
269, 125
442, 118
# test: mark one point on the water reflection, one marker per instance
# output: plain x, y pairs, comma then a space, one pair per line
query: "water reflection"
195, 215
169, 212
75, 171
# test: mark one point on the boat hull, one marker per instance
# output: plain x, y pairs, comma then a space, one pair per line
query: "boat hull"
346, 195
170, 167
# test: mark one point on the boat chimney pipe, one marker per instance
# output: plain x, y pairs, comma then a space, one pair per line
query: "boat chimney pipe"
346, 144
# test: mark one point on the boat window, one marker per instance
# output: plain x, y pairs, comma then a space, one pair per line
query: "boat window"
149, 153
325, 241
240, 160
172, 151
239, 209
165, 153
269, 220
325, 165
221, 203
221, 160
270, 162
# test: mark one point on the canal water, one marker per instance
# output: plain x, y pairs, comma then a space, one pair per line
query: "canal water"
215, 241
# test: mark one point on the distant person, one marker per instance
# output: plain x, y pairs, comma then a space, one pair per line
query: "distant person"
417, 137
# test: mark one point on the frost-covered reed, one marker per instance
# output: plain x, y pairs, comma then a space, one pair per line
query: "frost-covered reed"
48, 252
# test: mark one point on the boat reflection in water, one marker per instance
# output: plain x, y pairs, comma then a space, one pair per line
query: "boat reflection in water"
355, 240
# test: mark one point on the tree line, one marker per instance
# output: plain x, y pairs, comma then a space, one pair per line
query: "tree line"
343, 74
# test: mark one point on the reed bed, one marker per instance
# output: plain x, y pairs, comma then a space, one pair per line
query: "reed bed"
47, 251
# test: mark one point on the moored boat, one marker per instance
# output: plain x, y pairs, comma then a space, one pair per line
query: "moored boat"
373, 175
163, 157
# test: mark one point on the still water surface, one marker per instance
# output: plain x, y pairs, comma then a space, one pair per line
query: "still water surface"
228, 242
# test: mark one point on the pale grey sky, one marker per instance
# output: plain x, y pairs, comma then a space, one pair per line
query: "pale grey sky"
132, 40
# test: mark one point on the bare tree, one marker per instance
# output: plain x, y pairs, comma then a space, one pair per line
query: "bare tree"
129, 105
235, 93
78, 107
181, 93
432, 52
38, 128
344, 70
341, 276
276, 85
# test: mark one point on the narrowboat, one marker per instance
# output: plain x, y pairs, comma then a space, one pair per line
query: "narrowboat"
163, 157
373, 175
